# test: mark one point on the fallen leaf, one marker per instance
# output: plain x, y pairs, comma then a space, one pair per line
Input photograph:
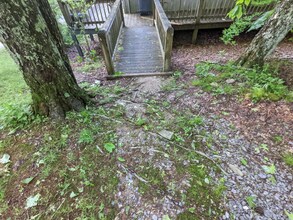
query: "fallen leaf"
5, 159
28, 180
73, 194
32, 201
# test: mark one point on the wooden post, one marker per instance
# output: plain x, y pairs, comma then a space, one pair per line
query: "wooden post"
168, 49
197, 22
122, 15
92, 37
76, 43
154, 12
63, 7
106, 52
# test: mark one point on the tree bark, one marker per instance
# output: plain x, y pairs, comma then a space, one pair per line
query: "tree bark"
29, 31
271, 34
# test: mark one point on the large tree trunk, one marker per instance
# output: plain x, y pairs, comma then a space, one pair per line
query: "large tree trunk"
272, 33
30, 33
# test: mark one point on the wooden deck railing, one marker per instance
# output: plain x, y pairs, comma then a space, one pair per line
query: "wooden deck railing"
109, 35
165, 31
205, 11
89, 13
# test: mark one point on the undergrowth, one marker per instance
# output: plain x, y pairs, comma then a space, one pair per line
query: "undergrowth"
256, 84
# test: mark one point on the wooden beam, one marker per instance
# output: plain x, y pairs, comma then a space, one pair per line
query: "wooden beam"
130, 75
197, 21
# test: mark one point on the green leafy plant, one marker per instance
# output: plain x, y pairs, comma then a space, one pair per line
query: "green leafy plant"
288, 159
290, 215
243, 21
243, 161
270, 169
251, 201
236, 28
140, 121
86, 137
257, 84
110, 147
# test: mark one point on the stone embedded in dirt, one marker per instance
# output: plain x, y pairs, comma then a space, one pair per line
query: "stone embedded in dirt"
259, 210
149, 84
17, 165
98, 82
134, 110
123, 102
235, 169
166, 134
262, 176
230, 81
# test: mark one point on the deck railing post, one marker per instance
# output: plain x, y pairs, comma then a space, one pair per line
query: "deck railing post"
106, 52
198, 18
168, 49
121, 12
166, 33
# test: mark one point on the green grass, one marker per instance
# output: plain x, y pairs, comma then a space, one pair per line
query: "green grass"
15, 95
288, 159
12, 86
256, 84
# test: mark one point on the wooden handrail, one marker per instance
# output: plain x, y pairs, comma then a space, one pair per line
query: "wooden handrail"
166, 33
109, 34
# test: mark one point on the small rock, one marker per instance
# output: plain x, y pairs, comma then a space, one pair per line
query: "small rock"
268, 213
245, 208
166, 134
230, 81
98, 82
262, 176
235, 169
134, 110
259, 210
154, 217
17, 165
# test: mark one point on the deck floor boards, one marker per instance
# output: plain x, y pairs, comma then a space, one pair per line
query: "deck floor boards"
139, 48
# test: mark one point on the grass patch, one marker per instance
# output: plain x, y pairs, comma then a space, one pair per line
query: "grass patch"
255, 84
155, 185
73, 177
288, 159
15, 94
90, 66
205, 194
12, 86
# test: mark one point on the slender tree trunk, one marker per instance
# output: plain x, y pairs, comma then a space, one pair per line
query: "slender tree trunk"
267, 39
30, 33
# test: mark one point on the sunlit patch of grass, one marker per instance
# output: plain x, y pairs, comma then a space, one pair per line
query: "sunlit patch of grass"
12, 86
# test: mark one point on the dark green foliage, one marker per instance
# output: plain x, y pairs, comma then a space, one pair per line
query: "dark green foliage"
235, 29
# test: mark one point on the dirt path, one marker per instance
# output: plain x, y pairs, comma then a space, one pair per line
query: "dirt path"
243, 151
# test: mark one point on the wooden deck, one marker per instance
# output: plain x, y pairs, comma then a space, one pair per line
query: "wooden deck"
133, 44
138, 48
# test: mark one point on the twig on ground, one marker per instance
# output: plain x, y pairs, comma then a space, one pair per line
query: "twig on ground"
131, 171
